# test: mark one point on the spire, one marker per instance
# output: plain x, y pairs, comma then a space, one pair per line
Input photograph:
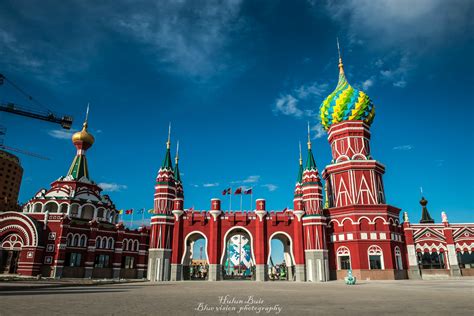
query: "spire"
340, 65
310, 163
176, 169
82, 140
299, 179
167, 164
425, 215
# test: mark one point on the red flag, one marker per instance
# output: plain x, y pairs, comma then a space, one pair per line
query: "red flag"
238, 191
130, 211
248, 191
227, 191
224, 192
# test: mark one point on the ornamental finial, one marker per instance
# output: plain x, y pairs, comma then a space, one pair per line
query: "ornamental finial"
341, 66
177, 152
169, 137
301, 157
309, 137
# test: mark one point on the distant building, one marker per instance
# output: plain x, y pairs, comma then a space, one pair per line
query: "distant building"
10, 181
71, 229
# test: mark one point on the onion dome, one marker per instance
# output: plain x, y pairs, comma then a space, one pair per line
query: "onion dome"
346, 104
83, 136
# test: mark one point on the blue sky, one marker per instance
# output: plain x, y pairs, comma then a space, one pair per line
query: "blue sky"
239, 80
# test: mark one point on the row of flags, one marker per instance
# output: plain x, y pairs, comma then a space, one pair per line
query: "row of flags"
131, 211
237, 191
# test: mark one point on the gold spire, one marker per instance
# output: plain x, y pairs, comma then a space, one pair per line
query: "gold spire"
83, 135
168, 143
301, 157
309, 137
341, 66
177, 153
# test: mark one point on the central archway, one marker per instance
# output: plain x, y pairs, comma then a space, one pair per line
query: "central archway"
284, 270
238, 260
195, 260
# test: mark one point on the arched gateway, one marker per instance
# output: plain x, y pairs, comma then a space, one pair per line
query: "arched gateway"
353, 229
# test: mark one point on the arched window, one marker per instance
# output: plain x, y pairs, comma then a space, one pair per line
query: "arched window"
97, 242
433, 260
375, 254
83, 241
110, 244
74, 210
136, 245
69, 239
37, 208
343, 258
124, 244
104, 243
398, 259
75, 241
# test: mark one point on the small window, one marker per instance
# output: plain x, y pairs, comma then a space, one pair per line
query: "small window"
75, 242
375, 262
102, 261
73, 260
83, 241
110, 244
345, 262
128, 262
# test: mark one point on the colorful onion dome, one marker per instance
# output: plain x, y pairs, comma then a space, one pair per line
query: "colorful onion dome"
346, 104
83, 136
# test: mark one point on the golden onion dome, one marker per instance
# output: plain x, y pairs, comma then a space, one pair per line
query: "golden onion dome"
83, 136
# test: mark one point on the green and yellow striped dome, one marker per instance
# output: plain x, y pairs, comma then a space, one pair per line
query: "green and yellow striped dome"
346, 104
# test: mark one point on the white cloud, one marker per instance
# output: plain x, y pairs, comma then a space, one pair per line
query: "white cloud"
112, 187
318, 131
61, 134
367, 84
270, 187
403, 147
210, 185
287, 105
308, 94
312, 89
251, 179
189, 35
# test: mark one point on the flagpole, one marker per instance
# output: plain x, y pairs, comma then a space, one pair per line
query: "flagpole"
230, 200
131, 220
251, 202
143, 216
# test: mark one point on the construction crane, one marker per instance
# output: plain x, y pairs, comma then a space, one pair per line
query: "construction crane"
45, 115
64, 120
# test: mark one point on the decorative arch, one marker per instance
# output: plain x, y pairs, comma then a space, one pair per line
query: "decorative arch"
291, 254
251, 241
15, 222
37, 207
375, 250
12, 242
341, 252
186, 240
51, 207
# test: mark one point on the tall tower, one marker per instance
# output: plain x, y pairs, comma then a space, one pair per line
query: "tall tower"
82, 140
162, 223
364, 232
314, 222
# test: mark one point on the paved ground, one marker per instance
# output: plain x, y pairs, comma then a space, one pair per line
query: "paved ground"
436, 297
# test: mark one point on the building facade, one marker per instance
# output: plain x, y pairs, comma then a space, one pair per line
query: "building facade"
72, 230
11, 173
345, 224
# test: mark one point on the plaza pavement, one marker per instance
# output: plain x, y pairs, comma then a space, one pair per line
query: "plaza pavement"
406, 297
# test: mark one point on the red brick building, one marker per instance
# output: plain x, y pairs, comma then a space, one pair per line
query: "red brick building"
72, 230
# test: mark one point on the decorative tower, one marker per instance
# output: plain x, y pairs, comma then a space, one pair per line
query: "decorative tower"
362, 225
312, 187
425, 215
298, 212
82, 140
159, 257
314, 222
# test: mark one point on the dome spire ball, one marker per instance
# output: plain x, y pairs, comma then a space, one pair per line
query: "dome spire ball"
83, 139
345, 103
